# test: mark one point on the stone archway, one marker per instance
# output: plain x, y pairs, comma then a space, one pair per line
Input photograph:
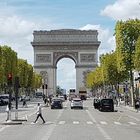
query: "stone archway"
50, 46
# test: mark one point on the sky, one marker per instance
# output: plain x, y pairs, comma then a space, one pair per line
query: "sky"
19, 18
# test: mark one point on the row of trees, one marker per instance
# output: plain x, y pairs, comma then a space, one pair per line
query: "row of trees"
118, 66
10, 63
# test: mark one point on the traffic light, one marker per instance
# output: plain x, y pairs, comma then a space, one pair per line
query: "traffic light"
9, 79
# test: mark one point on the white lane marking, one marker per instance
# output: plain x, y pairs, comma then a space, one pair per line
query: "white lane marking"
102, 122
91, 117
61, 122
34, 123
1, 129
132, 123
75, 122
89, 122
103, 132
118, 123
106, 136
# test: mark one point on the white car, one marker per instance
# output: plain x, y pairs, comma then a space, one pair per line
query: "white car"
76, 103
62, 98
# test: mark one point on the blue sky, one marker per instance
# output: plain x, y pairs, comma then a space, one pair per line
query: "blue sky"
18, 19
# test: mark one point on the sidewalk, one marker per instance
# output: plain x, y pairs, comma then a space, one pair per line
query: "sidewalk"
23, 114
129, 108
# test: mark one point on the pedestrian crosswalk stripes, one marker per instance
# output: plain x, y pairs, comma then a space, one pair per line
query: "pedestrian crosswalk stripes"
118, 123
132, 123
100, 122
89, 122
61, 122
75, 122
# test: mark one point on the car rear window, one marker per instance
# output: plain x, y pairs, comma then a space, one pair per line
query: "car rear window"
76, 100
107, 102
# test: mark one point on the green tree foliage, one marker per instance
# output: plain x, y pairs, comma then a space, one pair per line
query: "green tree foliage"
37, 80
137, 55
22, 72
9, 63
127, 34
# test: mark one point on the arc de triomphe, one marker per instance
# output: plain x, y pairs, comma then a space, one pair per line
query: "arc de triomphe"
51, 46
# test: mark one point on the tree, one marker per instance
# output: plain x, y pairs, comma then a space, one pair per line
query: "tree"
137, 55
127, 33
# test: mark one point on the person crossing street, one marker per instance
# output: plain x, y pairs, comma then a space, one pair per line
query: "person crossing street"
39, 113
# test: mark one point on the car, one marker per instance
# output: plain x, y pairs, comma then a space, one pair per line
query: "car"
106, 105
5, 98
56, 103
76, 103
96, 103
2, 103
62, 98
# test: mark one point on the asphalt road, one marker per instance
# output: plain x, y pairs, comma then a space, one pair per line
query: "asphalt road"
75, 124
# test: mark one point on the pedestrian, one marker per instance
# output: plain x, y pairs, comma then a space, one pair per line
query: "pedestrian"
137, 105
24, 103
7, 110
39, 113
45, 100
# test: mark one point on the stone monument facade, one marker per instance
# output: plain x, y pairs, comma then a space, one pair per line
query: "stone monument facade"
51, 46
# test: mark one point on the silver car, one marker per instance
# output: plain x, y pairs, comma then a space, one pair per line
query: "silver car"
76, 103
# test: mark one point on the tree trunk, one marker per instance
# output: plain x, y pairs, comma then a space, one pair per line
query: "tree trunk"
132, 88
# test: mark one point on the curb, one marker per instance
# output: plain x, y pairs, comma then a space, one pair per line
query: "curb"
11, 123
20, 120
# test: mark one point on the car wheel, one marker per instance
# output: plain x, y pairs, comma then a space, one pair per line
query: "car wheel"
71, 107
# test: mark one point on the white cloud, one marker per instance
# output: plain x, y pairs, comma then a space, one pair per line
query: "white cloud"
105, 36
123, 9
17, 33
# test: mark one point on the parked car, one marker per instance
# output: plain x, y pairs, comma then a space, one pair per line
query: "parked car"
5, 98
76, 103
56, 103
96, 103
2, 103
106, 105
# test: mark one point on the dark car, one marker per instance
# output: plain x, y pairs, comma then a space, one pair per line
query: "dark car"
2, 102
4, 99
106, 105
96, 103
56, 104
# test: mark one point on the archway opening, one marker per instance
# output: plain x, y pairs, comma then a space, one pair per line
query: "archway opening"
66, 74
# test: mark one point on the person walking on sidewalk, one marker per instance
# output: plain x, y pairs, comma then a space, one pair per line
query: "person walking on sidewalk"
137, 105
39, 113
